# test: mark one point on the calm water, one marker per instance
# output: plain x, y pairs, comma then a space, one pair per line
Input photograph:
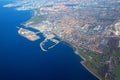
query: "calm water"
21, 59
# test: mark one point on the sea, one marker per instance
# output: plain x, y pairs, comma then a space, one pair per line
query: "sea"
21, 59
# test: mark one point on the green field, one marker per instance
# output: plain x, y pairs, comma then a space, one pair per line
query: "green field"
37, 19
97, 63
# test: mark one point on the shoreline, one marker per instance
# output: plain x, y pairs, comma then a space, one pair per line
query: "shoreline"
82, 62
82, 59
75, 51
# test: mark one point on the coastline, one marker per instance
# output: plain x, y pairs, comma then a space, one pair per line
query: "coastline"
73, 47
82, 62
82, 59
77, 53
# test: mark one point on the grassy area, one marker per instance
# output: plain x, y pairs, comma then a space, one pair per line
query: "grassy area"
117, 72
94, 62
116, 53
38, 19
116, 62
96, 59
97, 63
